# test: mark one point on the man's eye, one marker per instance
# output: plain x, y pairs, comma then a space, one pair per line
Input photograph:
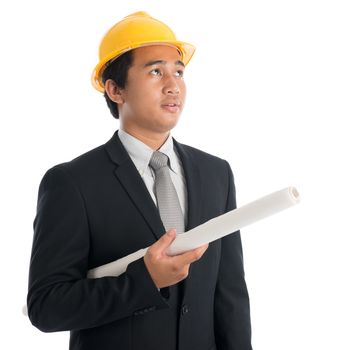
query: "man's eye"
180, 73
155, 71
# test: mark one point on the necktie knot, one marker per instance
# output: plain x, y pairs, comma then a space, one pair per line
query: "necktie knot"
158, 160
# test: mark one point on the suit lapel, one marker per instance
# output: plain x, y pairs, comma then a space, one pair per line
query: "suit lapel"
133, 184
194, 198
193, 182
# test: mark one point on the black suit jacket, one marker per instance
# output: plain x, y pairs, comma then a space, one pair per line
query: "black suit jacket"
96, 209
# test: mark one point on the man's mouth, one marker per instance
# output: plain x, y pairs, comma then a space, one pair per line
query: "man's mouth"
171, 107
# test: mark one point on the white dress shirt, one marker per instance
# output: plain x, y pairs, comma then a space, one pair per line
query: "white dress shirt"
141, 154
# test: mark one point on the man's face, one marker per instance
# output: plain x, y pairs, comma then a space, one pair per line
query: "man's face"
155, 92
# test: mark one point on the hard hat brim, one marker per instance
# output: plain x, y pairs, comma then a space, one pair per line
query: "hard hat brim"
187, 50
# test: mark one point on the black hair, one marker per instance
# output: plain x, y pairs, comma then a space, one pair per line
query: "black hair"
117, 70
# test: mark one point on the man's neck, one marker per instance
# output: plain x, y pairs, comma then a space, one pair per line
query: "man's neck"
152, 140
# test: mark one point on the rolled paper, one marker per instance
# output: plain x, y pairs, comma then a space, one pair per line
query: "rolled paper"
117, 267
211, 230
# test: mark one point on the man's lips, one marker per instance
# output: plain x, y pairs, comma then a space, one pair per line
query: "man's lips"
171, 106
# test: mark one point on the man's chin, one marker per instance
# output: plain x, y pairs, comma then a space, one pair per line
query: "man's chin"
167, 123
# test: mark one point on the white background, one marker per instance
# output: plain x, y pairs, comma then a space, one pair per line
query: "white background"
268, 90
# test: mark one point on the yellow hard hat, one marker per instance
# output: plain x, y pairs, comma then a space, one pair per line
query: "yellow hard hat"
135, 30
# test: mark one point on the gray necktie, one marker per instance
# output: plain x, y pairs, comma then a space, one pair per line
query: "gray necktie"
167, 199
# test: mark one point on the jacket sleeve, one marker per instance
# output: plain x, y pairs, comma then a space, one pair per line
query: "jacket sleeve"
231, 306
60, 297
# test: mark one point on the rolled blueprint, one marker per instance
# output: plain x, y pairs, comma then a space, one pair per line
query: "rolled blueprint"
211, 230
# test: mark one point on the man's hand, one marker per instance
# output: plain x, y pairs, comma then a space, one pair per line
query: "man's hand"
167, 270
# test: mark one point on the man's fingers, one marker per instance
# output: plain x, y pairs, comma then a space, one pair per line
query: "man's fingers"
192, 255
167, 270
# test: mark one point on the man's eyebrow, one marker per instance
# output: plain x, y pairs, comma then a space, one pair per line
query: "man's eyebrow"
152, 63
178, 62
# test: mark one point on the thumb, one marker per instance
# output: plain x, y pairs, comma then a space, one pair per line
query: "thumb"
165, 241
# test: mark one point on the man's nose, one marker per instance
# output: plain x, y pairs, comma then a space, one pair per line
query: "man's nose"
171, 86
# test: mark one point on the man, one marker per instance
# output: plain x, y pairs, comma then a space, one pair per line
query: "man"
124, 196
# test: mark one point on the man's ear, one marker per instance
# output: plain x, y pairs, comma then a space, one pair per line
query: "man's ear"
114, 92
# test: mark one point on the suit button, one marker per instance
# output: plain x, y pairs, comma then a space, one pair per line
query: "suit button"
184, 309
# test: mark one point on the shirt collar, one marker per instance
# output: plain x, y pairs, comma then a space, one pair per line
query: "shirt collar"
141, 154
